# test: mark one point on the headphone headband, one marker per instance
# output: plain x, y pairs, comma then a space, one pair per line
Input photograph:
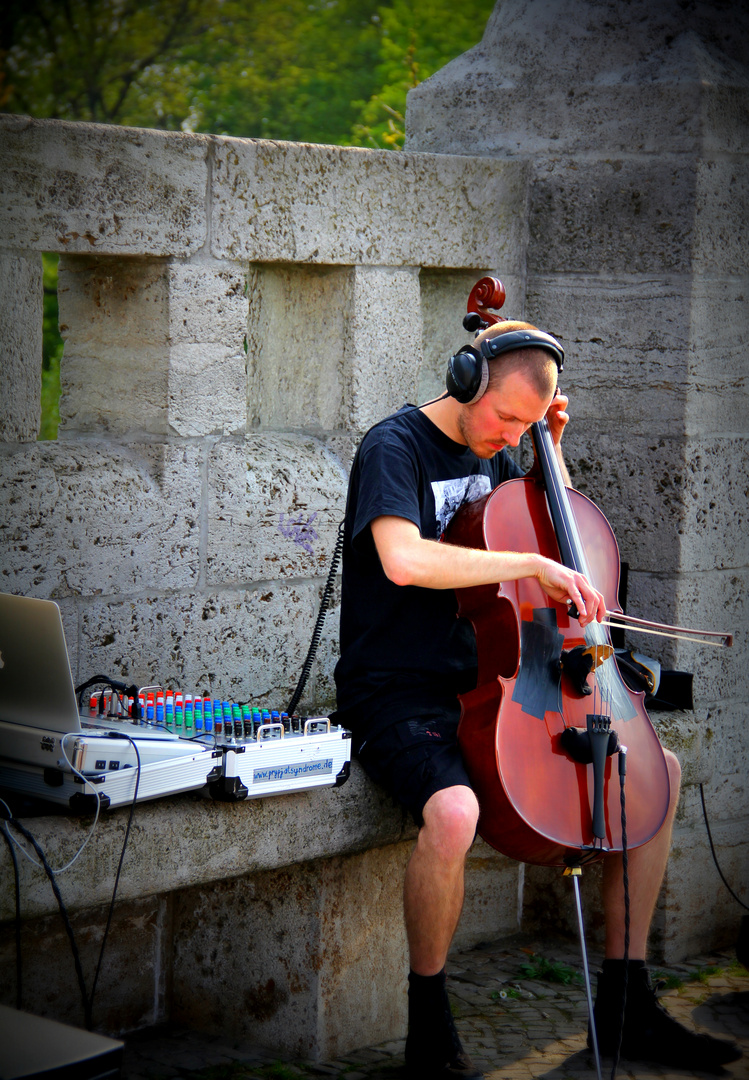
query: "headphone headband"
523, 339
468, 371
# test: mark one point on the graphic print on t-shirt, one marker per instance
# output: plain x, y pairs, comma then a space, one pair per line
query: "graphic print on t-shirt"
450, 495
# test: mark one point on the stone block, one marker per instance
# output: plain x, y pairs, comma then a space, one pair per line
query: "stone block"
490, 908
715, 528
295, 202
21, 349
686, 735
444, 295
622, 215
240, 644
137, 944
284, 942
190, 840
721, 208
88, 519
647, 354
690, 924
639, 488
671, 502
297, 343
91, 188
275, 502
645, 79
718, 398
208, 310
384, 345
626, 341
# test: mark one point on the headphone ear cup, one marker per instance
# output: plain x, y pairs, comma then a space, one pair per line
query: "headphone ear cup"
467, 375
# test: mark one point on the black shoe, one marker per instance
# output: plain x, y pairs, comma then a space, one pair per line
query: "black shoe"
650, 1033
433, 1047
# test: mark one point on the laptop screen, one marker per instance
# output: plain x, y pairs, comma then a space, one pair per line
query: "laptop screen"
36, 685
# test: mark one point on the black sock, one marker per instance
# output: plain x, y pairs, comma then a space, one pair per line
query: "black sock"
616, 967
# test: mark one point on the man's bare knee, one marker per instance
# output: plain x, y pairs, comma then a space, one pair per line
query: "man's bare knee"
450, 818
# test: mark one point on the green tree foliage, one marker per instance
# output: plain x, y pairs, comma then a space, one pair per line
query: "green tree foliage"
51, 350
332, 71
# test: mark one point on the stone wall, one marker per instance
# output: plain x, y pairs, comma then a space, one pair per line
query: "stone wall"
632, 121
235, 315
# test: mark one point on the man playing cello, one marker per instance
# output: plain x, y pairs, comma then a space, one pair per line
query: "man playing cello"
405, 658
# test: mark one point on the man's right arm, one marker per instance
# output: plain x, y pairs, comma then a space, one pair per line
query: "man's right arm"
408, 559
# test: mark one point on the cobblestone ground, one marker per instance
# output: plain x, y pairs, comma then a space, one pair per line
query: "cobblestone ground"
515, 1018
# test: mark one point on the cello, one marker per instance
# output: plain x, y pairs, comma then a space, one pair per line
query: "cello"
550, 709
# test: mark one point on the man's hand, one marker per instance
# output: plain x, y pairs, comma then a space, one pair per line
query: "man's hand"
557, 417
562, 584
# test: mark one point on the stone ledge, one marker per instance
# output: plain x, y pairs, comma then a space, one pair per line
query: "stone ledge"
296, 202
190, 840
94, 188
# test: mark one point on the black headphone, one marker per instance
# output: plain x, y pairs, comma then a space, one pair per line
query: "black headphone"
468, 371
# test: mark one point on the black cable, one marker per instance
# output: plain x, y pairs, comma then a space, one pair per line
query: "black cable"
89, 1013
317, 632
88, 1001
19, 972
63, 910
625, 883
715, 857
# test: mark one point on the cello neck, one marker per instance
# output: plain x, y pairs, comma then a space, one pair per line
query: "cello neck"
571, 549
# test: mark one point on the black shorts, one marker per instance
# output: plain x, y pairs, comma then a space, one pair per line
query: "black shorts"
415, 756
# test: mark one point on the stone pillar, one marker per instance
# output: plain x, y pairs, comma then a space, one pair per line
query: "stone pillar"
635, 136
20, 346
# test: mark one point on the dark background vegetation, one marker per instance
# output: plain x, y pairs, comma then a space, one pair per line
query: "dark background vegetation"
325, 71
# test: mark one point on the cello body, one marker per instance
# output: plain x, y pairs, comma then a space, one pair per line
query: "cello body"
536, 801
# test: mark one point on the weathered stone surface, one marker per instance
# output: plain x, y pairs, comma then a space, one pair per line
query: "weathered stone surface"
244, 644
275, 504
384, 353
137, 944
287, 956
669, 504
697, 912
20, 347
626, 341
114, 319
714, 601
718, 398
298, 333
87, 519
644, 78
721, 210
207, 330
621, 215
151, 346
300, 203
93, 188
490, 909
188, 840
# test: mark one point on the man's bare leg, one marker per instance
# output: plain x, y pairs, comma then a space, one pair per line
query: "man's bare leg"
433, 899
434, 886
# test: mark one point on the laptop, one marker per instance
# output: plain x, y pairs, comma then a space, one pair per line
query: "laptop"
38, 707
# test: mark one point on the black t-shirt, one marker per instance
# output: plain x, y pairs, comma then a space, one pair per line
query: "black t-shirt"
398, 639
